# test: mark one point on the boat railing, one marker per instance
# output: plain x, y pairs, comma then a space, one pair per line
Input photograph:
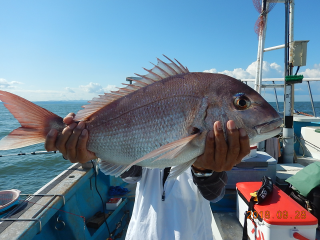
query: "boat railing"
274, 86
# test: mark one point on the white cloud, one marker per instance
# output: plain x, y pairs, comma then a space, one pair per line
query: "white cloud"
92, 88
269, 70
276, 67
6, 84
110, 88
212, 70
312, 73
252, 69
84, 92
69, 90
238, 73
97, 88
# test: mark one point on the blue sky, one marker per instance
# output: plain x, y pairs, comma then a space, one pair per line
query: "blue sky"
75, 50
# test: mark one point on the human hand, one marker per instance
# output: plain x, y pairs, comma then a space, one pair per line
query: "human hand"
72, 142
220, 155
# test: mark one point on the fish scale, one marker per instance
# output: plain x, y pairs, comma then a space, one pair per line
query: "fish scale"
147, 132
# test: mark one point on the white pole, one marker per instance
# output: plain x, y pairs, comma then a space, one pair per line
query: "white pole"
291, 40
288, 131
273, 48
262, 38
291, 28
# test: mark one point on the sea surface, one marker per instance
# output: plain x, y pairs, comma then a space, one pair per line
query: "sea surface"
30, 172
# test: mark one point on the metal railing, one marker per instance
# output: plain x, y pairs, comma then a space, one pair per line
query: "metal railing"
274, 86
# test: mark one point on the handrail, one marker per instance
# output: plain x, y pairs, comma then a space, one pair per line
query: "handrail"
311, 99
274, 86
275, 94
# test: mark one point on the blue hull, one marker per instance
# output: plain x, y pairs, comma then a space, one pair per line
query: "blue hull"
64, 216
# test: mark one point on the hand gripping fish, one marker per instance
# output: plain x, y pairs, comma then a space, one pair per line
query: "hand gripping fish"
159, 121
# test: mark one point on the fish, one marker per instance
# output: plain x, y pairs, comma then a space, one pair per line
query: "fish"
161, 120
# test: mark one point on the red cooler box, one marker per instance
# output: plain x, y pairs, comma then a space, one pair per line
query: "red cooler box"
277, 217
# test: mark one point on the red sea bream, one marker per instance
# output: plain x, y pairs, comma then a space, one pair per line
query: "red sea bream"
159, 121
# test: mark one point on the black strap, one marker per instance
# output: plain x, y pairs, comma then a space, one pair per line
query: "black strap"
247, 215
261, 194
165, 174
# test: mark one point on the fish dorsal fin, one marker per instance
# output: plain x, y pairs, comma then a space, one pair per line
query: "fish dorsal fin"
160, 71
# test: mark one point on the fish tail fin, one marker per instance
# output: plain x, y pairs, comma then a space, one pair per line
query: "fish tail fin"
35, 122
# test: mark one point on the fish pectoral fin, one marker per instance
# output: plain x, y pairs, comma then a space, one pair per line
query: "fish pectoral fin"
173, 153
111, 168
177, 170
168, 151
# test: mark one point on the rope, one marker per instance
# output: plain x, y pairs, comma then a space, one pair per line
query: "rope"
311, 145
306, 114
298, 139
31, 153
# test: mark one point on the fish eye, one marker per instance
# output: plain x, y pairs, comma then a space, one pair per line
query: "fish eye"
241, 101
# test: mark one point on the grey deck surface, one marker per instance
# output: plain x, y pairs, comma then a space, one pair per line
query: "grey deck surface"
228, 225
305, 161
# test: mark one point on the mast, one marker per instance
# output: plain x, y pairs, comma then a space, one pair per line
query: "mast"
262, 38
288, 133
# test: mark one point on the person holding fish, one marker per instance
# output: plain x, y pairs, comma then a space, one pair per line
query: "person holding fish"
168, 209
174, 132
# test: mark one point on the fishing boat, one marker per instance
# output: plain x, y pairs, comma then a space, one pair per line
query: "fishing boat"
73, 204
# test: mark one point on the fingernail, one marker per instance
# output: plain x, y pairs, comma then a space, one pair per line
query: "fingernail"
242, 132
51, 132
70, 115
84, 132
219, 126
231, 125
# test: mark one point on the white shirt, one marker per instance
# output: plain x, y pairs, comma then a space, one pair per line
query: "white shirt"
184, 214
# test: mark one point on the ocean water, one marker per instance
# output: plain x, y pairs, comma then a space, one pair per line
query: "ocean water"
30, 172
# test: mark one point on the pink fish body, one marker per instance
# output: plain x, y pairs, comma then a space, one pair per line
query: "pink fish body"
160, 121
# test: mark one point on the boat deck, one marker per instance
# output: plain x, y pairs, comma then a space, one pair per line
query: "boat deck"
76, 200
62, 215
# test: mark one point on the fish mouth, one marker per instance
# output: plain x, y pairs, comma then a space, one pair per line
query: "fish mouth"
269, 126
